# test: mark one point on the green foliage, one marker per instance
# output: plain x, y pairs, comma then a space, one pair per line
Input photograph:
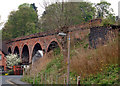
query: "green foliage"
54, 15
21, 22
109, 20
10, 72
57, 62
51, 68
56, 51
27, 79
103, 9
86, 45
109, 75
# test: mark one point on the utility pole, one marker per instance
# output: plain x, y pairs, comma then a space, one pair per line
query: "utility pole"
68, 62
66, 44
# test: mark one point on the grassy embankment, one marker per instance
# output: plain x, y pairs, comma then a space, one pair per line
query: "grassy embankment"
95, 66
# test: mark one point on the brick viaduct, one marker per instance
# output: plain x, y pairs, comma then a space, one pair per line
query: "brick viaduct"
27, 46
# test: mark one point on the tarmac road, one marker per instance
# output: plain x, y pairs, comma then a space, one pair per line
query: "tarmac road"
12, 80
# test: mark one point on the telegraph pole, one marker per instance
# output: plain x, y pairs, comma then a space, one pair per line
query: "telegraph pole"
68, 62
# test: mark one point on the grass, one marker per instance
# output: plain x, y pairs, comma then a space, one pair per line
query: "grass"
109, 75
95, 66
89, 61
52, 71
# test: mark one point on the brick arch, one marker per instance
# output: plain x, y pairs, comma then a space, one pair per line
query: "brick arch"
36, 43
54, 40
22, 45
32, 50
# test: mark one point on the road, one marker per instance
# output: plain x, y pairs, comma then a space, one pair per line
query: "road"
12, 81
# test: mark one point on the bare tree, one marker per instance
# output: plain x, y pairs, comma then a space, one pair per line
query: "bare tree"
59, 21
61, 15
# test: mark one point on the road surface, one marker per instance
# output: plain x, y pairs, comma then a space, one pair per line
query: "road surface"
12, 81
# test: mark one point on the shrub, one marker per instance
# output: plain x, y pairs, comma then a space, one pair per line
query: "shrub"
12, 59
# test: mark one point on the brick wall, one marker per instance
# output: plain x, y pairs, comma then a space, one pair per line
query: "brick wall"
100, 35
2, 60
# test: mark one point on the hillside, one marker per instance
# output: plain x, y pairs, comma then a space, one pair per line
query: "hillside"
94, 66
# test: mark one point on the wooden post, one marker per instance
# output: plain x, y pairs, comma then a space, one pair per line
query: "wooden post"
41, 78
56, 79
52, 79
64, 79
34, 79
45, 80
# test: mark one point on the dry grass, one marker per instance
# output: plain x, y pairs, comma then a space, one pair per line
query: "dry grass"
84, 61
41, 63
90, 61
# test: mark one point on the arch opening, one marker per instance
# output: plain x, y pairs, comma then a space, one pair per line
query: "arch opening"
25, 55
9, 50
16, 51
54, 46
37, 52
36, 48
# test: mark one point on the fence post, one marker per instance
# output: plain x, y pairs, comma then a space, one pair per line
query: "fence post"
56, 79
78, 81
41, 78
52, 79
64, 78
45, 80
37, 79
34, 79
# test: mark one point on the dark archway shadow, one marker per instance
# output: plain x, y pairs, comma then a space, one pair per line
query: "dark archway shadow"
36, 48
9, 50
37, 52
25, 55
55, 47
16, 50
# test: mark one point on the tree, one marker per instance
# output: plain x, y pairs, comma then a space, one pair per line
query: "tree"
12, 59
103, 9
59, 14
109, 20
21, 22
105, 12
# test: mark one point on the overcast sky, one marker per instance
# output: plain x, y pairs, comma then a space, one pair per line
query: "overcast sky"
6, 6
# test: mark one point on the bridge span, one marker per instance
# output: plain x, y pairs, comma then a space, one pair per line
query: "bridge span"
27, 46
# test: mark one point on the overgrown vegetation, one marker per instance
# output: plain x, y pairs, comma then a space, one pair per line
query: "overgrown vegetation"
109, 75
95, 66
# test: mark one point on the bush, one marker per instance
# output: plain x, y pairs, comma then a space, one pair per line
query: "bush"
10, 72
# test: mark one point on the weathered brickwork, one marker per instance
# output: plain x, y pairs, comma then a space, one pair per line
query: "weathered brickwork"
96, 35
43, 41
100, 35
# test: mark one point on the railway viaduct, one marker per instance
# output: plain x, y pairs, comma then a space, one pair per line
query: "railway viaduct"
27, 46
